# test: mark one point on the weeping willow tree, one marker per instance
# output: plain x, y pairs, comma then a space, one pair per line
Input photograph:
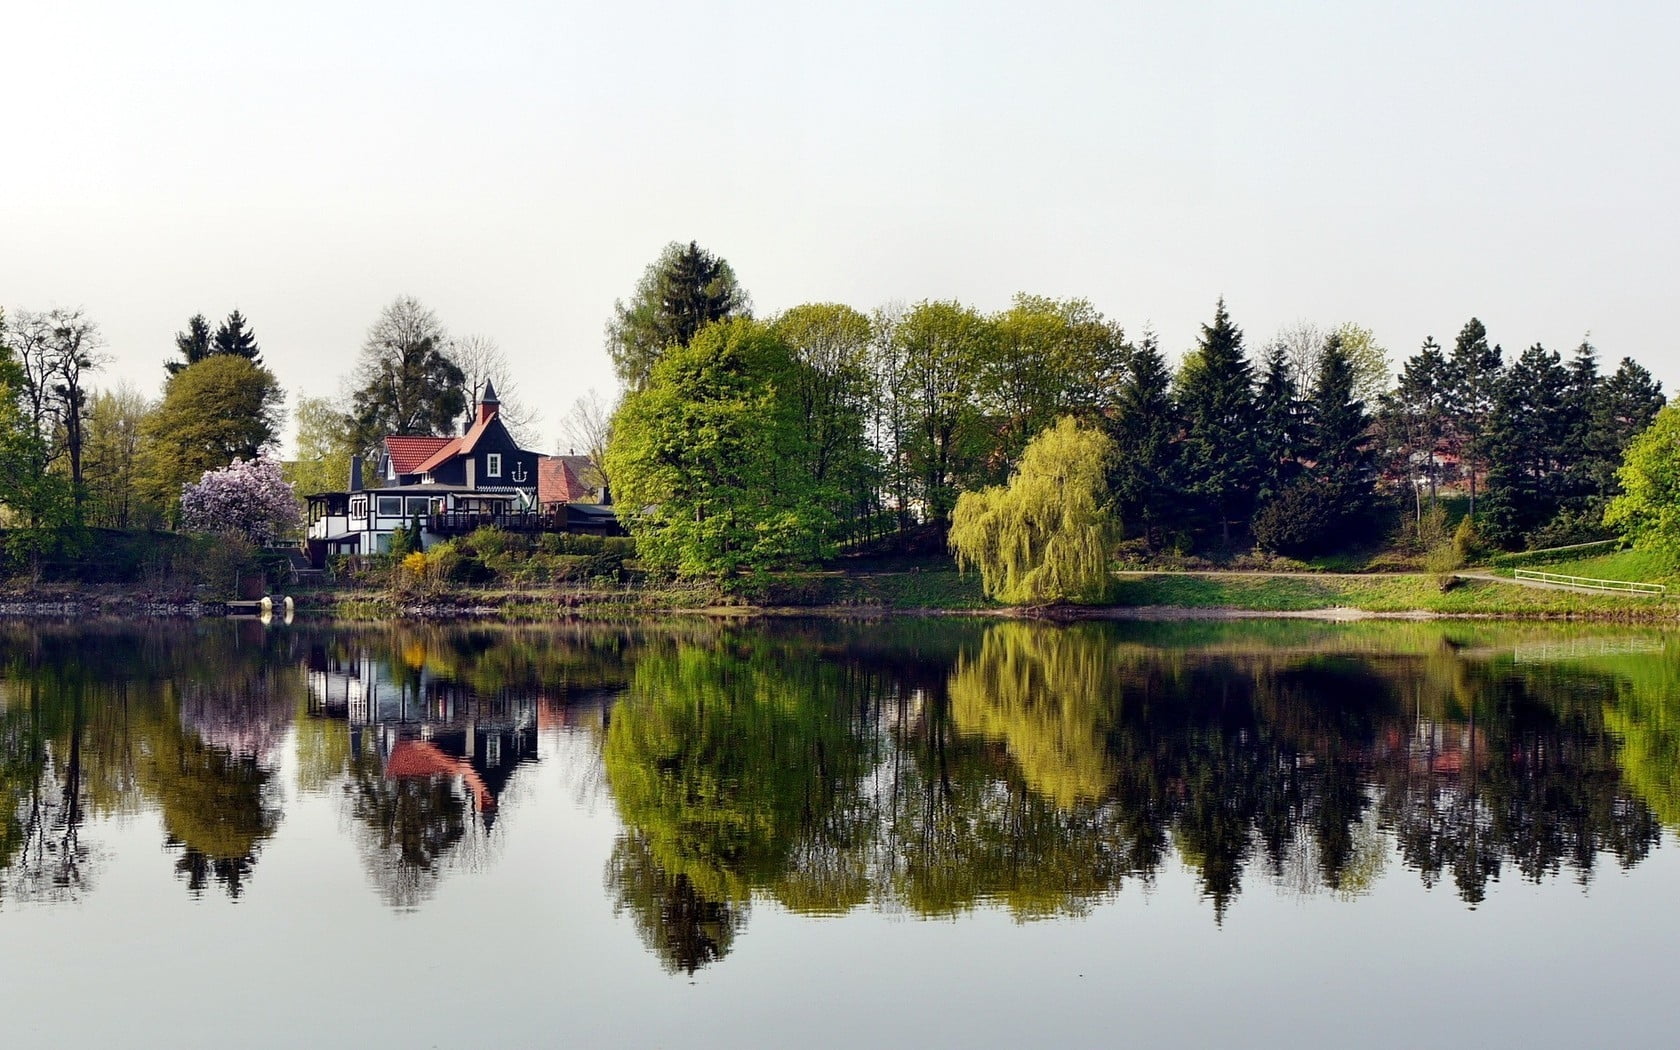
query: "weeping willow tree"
1047, 535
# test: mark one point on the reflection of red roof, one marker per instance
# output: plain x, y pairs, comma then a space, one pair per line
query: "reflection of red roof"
423, 759
408, 453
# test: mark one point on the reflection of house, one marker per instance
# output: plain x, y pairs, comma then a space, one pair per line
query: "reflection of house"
452, 485
427, 727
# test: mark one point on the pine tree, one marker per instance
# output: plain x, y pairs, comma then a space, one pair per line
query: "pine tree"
1216, 397
1474, 382
193, 345
1278, 423
1145, 423
232, 337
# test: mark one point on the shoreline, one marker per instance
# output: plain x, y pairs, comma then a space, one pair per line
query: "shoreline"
535, 607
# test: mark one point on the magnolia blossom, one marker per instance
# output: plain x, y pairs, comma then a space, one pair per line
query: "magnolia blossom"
248, 497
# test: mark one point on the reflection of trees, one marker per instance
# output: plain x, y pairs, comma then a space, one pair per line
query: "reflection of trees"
1048, 765
728, 758
676, 922
111, 723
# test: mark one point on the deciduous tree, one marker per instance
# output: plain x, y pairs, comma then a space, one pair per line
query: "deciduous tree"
708, 458
941, 350
1647, 513
222, 409
1048, 535
249, 498
113, 459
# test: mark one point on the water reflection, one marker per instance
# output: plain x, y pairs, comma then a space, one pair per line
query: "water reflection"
923, 767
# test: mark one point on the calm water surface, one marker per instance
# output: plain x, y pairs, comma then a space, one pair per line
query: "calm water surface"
909, 833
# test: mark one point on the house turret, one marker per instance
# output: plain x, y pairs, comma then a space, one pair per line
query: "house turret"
488, 403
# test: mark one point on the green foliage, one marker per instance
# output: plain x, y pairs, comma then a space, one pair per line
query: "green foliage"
1528, 432
325, 443
681, 292
832, 389
192, 344
114, 459
1216, 399
707, 459
222, 409
942, 349
1647, 513
1300, 522
1145, 423
1047, 536
1368, 360
1467, 540
1474, 371
1051, 357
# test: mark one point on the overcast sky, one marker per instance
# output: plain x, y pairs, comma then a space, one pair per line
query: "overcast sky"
517, 166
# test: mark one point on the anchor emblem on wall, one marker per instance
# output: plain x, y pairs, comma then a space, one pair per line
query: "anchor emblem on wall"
520, 474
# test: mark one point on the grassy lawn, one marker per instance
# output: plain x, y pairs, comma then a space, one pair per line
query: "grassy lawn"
1634, 566
1398, 593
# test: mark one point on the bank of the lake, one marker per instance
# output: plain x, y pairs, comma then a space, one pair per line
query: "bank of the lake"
1151, 595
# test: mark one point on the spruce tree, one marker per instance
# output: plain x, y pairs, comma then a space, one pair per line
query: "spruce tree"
193, 345
1338, 435
1216, 398
1578, 408
1526, 445
1144, 425
1475, 372
1278, 423
1416, 417
232, 337
698, 289
1628, 401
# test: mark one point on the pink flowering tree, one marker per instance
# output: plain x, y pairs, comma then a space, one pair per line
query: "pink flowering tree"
249, 498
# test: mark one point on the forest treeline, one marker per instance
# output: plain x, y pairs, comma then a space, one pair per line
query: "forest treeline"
747, 442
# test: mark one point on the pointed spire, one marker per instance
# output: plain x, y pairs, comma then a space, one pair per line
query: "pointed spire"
488, 404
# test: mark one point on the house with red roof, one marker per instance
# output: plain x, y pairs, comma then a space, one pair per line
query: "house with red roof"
452, 485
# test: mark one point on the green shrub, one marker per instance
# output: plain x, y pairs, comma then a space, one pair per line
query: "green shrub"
1298, 523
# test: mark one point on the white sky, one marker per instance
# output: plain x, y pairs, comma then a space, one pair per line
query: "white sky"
516, 166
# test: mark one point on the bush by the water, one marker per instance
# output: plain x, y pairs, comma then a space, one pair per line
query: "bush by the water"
494, 557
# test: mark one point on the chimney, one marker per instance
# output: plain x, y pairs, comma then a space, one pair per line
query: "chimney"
355, 473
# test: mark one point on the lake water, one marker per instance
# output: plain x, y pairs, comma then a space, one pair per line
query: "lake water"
905, 833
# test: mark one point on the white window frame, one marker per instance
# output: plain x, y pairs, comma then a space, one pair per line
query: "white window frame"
379, 506
358, 508
493, 465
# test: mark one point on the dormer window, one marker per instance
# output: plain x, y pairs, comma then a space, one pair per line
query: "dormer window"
493, 465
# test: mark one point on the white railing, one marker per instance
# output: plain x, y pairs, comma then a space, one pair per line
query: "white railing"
1587, 583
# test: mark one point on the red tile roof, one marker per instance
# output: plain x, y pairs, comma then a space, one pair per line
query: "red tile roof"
459, 446
560, 479
408, 453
